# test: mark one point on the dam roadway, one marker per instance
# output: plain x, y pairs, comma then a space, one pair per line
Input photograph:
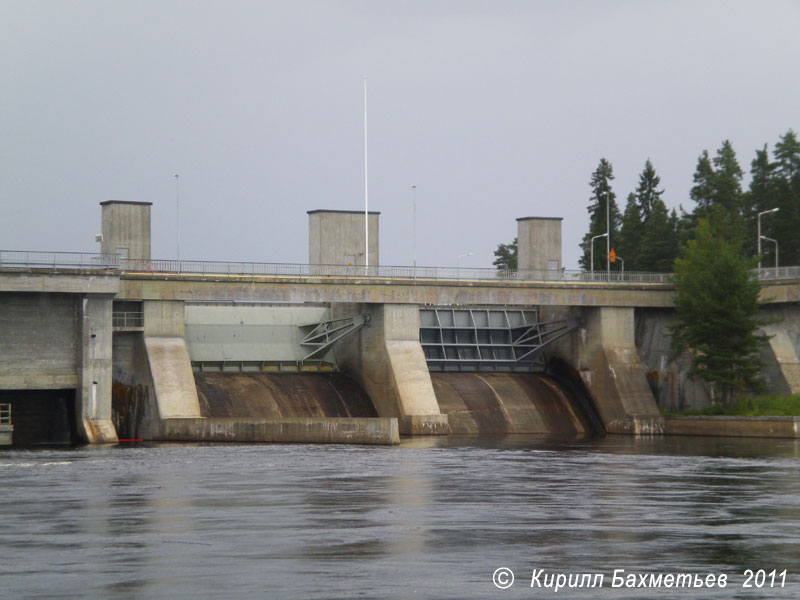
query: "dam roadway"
221, 287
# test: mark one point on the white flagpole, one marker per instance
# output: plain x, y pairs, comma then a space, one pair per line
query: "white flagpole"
366, 187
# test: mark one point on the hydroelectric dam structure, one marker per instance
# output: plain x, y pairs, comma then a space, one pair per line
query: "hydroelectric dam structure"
119, 345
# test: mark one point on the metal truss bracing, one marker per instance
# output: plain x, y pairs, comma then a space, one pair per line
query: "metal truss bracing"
322, 336
487, 339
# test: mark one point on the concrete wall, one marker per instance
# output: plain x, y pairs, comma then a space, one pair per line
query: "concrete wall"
236, 332
126, 225
387, 359
539, 244
672, 386
336, 237
39, 342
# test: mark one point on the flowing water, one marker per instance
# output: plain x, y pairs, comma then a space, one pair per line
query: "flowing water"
432, 518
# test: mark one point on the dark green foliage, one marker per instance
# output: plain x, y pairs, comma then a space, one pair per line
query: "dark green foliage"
630, 234
727, 180
506, 256
718, 196
648, 239
648, 193
785, 226
716, 304
659, 240
601, 194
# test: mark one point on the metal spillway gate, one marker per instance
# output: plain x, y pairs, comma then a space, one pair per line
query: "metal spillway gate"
487, 339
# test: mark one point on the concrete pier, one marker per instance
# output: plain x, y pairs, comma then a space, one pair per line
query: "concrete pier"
387, 359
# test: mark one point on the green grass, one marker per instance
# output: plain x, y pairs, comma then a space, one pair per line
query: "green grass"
759, 406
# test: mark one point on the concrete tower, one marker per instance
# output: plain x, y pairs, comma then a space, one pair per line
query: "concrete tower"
336, 237
539, 244
126, 229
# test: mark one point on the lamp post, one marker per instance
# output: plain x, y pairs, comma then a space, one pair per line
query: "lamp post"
592, 263
366, 187
177, 222
458, 264
414, 226
608, 233
622, 260
768, 239
758, 219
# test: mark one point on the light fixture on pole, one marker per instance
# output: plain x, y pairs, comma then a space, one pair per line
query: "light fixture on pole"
608, 233
414, 225
592, 261
768, 239
458, 264
758, 219
366, 187
177, 221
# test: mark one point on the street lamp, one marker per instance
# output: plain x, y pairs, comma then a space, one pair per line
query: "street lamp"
458, 264
592, 263
414, 225
177, 221
763, 212
608, 233
768, 239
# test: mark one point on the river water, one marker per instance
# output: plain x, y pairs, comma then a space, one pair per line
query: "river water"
432, 518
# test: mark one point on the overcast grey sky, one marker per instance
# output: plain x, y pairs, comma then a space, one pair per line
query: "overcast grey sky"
494, 109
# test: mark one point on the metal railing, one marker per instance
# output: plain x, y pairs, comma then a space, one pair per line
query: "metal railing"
82, 260
5, 414
127, 319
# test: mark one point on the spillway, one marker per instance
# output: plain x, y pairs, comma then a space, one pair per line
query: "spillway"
501, 403
278, 395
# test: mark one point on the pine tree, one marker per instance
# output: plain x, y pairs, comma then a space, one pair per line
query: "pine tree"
506, 256
601, 194
716, 305
630, 234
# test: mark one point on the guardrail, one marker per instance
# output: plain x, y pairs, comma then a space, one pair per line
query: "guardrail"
5, 414
82, 260
127, 319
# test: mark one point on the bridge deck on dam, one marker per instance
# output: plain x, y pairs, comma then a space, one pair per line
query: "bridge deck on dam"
222, 287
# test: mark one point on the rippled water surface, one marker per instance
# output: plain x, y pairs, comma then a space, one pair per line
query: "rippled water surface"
432, 518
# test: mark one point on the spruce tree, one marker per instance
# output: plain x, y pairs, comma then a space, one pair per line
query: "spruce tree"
659, 240
785, 226
703, 190
727, 179
630, 234
648, 193
506, 256
601, 194
716, 305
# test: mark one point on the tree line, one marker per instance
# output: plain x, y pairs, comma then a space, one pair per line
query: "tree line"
648, 237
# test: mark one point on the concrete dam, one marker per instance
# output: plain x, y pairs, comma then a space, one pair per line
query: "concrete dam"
249, 362
117, 345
